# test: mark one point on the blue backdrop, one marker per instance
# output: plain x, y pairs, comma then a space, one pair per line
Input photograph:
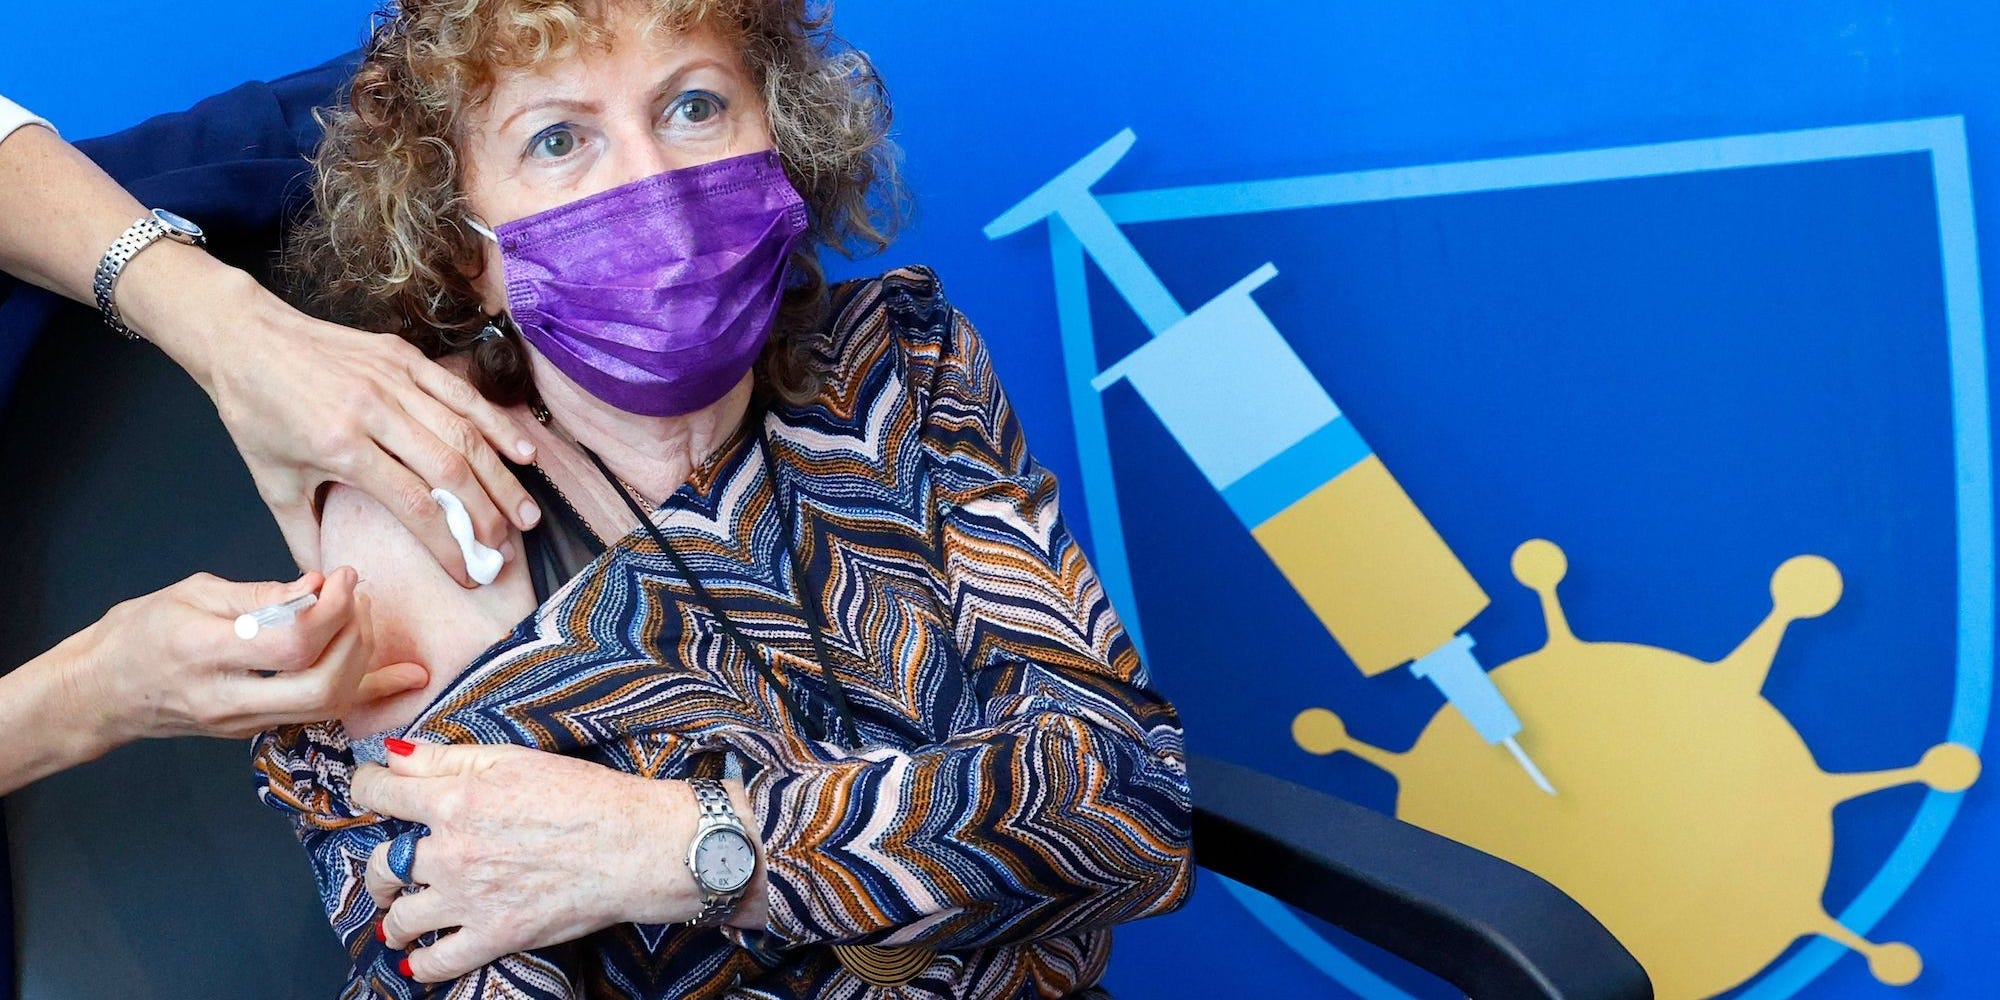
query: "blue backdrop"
1683, 376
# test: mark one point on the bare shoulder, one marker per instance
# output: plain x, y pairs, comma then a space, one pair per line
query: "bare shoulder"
421, 614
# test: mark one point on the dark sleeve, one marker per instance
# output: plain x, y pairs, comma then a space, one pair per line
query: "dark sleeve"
235, 161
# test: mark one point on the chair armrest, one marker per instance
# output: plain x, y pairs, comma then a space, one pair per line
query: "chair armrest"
1492, 929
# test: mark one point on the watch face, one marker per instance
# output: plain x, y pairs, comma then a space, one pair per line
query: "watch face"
176, 223
723, 861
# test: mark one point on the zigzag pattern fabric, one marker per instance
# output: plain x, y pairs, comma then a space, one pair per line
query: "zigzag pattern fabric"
1022, 788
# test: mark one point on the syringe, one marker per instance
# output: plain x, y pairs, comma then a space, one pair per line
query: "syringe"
277, 615
1267, 436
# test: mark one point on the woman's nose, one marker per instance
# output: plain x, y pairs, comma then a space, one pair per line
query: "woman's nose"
646, 154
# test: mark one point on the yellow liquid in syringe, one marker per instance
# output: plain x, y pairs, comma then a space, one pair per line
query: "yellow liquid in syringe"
1372, 567
1264, 432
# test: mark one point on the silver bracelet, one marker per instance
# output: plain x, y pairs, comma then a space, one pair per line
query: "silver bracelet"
140, 235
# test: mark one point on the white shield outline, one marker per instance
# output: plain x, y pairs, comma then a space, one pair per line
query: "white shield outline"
1943, 139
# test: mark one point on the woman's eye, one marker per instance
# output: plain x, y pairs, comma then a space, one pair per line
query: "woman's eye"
698, 108
553, 143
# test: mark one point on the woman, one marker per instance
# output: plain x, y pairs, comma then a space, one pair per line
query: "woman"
801, 582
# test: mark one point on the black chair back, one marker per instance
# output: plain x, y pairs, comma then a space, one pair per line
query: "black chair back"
152, 872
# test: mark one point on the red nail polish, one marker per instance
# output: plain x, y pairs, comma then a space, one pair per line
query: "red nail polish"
401, 748
404, 968
380, 934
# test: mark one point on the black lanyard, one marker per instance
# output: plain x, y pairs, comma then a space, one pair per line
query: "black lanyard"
808, 602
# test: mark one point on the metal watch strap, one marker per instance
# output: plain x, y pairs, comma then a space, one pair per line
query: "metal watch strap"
137, 237
716, 811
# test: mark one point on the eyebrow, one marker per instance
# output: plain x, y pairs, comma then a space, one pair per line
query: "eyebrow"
667, 86
566, 103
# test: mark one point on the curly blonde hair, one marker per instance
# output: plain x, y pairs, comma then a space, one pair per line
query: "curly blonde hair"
386, 250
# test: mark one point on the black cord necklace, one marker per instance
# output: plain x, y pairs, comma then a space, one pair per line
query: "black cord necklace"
874, 964
809, 605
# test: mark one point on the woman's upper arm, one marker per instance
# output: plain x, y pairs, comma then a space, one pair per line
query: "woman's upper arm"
421, 615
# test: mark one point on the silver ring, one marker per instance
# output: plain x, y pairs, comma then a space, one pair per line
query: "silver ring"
403, 857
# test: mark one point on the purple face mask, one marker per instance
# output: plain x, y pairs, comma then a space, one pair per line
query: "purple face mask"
658, 295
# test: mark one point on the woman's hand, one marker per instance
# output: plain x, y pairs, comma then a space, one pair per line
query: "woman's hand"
309, 403
529, 849
170, 663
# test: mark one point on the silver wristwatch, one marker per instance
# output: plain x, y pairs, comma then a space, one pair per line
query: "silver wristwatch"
142, 234
721, 856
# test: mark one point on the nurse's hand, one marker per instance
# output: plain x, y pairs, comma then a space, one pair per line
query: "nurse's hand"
307, 402
310, 403
170, 663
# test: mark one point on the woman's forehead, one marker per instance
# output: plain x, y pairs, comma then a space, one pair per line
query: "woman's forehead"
633, 51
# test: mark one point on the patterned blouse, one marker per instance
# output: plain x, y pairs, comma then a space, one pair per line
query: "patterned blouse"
1021, 788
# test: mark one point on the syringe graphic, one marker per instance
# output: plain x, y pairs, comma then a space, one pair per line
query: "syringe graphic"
1268, 437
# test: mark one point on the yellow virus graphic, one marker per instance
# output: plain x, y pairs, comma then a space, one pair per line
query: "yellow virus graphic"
1692, 820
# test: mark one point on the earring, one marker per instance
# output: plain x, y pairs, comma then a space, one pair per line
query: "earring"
491, 331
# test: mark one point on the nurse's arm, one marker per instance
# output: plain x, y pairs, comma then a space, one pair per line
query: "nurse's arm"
307, 402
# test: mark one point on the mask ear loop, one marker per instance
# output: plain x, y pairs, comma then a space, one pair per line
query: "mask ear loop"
480, 227
493, 330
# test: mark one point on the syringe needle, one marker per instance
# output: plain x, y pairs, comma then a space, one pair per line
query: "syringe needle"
1469, 689
1514, 747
